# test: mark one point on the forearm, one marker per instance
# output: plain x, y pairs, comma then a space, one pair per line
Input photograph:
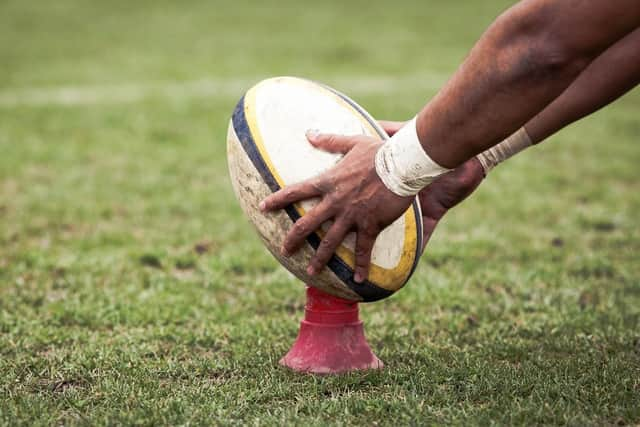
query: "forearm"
527, 58
609, 76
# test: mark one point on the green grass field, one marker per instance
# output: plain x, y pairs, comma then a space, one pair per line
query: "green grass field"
132, 290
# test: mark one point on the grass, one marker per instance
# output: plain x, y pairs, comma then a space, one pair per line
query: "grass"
132, 291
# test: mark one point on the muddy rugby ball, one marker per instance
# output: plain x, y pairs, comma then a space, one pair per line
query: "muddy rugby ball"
267, 150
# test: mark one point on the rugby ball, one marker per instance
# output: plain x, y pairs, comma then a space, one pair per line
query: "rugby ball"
267, 150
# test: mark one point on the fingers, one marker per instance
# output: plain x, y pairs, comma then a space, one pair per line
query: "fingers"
306, 225
328, 246
330, 142
391, 127
291, 194
364, 246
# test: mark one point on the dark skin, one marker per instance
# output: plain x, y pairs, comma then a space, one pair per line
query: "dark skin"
525, 60
612, 74
608, 77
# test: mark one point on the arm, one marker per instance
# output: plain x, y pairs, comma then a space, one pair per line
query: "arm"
524, 60
608, 77
527, 57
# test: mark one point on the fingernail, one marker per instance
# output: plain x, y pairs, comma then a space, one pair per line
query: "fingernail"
312, 134
358, 277
262, 206
311, 271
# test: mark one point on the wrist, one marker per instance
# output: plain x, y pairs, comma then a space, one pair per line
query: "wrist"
403, 165
476, 168
504, 150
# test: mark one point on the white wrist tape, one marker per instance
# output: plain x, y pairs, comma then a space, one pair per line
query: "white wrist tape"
402, 164
502, 151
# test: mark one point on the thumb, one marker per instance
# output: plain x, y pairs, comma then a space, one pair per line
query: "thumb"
330, 142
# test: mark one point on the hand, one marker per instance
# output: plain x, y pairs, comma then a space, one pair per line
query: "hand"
446, 191
352, 195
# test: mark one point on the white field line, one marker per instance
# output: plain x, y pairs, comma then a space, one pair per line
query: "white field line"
205, 88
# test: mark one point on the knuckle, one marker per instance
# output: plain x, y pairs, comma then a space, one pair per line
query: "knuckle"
361, 253
316, 262
293, 192
319, 185
326, 243
300, 228
362, 259
368, 231
362, 265
362, 249
288, 192
320, 260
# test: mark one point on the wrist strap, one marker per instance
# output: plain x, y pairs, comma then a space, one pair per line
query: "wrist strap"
511, 146
403, 165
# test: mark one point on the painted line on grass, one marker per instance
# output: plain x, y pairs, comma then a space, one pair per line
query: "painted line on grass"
203, 88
